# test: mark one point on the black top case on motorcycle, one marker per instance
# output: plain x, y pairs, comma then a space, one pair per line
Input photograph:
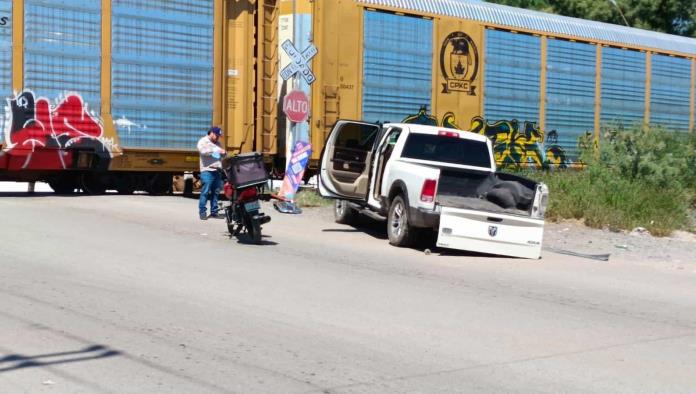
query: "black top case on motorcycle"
245, 170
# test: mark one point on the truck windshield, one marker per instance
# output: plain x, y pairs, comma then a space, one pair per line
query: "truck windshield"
449, 150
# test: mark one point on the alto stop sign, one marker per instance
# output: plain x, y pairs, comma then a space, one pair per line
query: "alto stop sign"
296, 106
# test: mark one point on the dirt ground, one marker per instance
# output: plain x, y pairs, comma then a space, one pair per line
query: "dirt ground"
675, 252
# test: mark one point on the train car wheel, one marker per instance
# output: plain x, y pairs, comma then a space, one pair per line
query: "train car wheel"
92, 184
63, 185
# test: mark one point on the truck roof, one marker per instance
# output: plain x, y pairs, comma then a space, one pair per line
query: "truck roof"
422, 129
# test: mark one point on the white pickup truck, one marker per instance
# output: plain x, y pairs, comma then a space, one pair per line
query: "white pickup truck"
423, 177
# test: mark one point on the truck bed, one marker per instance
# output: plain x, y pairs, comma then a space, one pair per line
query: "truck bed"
482, 192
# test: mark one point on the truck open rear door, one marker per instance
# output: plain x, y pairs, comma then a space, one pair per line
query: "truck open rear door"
345, 164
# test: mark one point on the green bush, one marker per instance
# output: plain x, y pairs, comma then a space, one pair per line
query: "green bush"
638, 177
604, 200
653, 155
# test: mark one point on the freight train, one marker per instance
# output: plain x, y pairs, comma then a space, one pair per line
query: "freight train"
113, 94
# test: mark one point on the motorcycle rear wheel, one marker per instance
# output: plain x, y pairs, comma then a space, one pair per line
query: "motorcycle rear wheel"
254, 231
232, 227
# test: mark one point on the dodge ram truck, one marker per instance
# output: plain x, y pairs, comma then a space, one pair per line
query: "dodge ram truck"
423, 178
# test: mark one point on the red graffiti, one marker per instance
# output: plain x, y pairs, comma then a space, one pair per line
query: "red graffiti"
41, 137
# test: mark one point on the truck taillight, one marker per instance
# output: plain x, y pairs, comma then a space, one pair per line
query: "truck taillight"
451, 134
428, 191
544, 204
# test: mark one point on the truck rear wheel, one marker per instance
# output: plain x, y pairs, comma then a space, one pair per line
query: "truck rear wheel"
399, 228
344, 213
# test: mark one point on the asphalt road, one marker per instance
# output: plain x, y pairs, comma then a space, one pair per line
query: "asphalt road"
134, 294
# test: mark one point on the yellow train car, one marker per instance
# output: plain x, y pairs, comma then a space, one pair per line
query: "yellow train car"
534, 83
115, 93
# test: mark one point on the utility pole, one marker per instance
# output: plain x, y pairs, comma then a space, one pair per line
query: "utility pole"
620, 12
292, 136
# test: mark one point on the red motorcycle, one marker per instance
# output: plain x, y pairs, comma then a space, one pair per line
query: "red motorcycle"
245, 186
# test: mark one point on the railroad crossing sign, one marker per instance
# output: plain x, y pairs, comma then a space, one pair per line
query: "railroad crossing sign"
300, 62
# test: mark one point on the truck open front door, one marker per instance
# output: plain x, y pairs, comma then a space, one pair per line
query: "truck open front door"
345, 163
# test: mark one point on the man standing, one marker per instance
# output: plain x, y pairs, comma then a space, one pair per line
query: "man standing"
211, 154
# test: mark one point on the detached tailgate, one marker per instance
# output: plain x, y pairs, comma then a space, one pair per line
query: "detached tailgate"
483, 232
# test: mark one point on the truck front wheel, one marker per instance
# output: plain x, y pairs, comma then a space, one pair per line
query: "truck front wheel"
398, 225
344, 213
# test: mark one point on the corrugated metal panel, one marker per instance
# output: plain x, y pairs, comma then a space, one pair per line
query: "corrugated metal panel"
623, 86
6, 56
549, 23
397, 69
162, 71
62, 41
512, 76
670, 92
570, 92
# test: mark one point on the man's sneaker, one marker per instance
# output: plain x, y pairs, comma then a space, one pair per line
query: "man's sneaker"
216, 215
203, 216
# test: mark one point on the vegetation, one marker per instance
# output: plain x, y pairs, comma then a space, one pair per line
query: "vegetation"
638, 177
669, 16
309, 198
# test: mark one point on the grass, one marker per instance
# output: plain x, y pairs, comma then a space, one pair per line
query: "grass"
615, 203
637, 176
310, 198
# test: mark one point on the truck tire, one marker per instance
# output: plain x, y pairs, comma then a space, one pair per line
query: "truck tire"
399, 228
344, 213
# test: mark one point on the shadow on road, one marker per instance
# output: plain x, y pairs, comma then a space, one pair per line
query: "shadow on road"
12, 362
367, 226
36, 194
244, 239
425, 241
85, 195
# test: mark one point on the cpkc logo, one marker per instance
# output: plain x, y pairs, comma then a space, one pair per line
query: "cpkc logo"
459, 62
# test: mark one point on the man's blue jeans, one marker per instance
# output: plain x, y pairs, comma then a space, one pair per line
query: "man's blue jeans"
212, 183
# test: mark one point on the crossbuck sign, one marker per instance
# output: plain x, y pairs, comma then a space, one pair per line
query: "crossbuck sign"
299, 62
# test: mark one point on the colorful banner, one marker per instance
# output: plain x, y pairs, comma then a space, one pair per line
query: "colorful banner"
295, 171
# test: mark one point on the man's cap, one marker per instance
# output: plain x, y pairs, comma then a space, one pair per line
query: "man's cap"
215, 130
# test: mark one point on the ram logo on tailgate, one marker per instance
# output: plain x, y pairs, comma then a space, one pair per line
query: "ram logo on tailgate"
492, 231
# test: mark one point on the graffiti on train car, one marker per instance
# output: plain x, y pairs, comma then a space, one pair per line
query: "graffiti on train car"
515, 144
521, 144
43, 136
422, 117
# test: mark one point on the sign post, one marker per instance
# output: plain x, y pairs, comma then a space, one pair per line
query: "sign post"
299, 70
